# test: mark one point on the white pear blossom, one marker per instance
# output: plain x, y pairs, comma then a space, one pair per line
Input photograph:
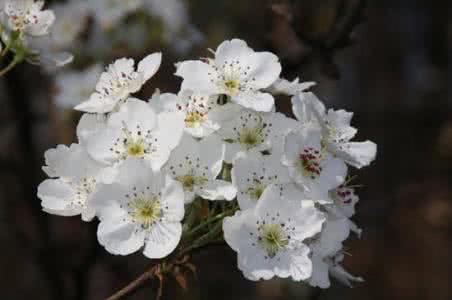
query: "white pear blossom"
138, 163
203, 114
74, 87
253, 173
290, 88
196, 166
269, 239
108, 13
237, 71
324, 246
119, 81
312, 168
75, 177
253, 132
27, 18
139, 209
136, 131
336, 130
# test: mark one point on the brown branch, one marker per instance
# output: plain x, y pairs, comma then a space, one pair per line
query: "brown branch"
181, 259
149, 274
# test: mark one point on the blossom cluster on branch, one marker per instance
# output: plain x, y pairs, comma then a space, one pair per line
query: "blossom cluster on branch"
23, 24
214, 162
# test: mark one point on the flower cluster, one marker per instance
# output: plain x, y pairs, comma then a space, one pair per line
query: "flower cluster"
214, 162
24, 24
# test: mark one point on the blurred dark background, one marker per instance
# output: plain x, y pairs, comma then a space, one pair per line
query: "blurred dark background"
386, 60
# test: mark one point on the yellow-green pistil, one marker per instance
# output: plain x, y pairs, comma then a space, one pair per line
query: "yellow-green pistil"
232, 85
145, 211
272, 238
256, 191
250, 137
193, 119
189, 181
135, 148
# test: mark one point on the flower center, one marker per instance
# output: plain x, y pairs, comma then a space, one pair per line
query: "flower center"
309, 162
189, 181
145, 211
135, 148
232, 85
256, 191
82, 188
18, 22
250, 137
193, 119
272, 238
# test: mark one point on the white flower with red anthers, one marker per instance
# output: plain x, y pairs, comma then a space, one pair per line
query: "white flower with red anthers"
135, 131
252, 173
336, 130
312, 168
119, 82
344, 201
196, 165
269, 239
237, 71
74, 179
254, 132
290, 88
74, 87
203, 113
27, 18
140, 208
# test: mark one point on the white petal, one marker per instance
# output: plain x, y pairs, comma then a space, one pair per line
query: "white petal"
99, 143
149, 65
218, 190
333, 173
212, 152
255, 100
56, 196
173, 198
307, 107
232, 151
295, 264
97, 103
357, 154
319, 277
88, 124
264, 69
196, 76
134, 113
234, 49
162, 239
119, 237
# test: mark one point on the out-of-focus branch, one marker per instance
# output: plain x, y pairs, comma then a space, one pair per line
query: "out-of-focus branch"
296, 47
339, 36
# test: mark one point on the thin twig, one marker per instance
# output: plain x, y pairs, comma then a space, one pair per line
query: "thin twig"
149, 274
